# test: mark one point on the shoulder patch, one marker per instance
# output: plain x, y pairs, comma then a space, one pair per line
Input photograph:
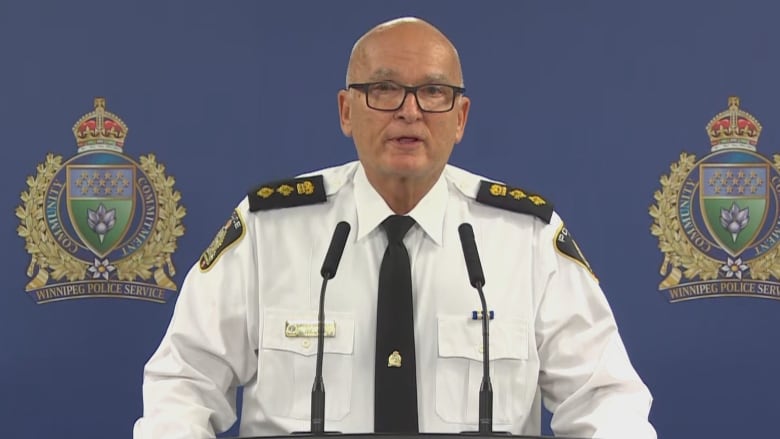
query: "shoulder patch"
287, 193
566, 246
230, 233
515, 199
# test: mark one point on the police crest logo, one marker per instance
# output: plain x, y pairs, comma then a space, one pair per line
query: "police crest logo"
100, 224
230, 234
717, 219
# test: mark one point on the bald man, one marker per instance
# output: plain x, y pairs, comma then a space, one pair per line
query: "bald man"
403, 350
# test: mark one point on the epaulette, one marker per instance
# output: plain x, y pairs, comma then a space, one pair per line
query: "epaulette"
515, 199
287, 193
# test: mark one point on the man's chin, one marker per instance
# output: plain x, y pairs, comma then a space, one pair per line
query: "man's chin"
409, 169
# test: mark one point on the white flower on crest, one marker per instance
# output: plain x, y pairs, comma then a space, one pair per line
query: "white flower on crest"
733, 268
101, 269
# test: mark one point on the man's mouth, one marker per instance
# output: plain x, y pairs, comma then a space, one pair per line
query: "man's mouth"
406, 140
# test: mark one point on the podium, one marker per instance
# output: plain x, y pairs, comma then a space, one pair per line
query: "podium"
401, 436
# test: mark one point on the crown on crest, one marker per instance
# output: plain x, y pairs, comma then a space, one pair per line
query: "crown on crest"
100, 129
734, 128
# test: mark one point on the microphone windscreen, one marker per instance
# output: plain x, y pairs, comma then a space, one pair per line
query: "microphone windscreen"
336, 249
473, 264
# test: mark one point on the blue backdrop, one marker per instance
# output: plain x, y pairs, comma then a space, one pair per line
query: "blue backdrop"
586, 102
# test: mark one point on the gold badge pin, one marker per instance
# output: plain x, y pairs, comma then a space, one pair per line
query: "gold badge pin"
394, 360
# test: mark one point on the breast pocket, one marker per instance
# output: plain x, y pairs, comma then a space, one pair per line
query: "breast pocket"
287, 366
459, 368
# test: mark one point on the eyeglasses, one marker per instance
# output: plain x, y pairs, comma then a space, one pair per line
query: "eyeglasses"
390, 96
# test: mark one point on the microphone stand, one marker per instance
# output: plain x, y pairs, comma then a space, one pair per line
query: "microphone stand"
477, 280
328, 271
318, 388
486, 388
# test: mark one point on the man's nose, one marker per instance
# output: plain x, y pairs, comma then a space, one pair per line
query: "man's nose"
410, 108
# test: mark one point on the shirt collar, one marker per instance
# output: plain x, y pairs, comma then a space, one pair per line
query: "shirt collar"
372, 209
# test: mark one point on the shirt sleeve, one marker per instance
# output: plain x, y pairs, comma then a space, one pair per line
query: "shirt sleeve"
190, 382
586, 377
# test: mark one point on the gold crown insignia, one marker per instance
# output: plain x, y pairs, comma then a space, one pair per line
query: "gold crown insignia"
100, 129
734, 128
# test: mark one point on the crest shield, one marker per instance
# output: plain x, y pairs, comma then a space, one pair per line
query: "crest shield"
734, 200
101, 204
123, 218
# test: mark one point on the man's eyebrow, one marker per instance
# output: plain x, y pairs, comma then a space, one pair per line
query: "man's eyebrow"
382, 74
437, 78
385, 74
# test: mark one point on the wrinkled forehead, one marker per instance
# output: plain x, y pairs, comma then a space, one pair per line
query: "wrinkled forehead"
383, 73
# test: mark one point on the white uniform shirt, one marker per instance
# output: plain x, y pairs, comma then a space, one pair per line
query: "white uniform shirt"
553, 335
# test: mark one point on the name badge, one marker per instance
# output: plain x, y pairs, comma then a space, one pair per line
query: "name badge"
308, 328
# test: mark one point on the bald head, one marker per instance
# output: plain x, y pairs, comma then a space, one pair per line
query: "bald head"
409, 32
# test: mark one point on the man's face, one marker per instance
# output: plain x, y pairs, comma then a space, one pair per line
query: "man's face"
406, 144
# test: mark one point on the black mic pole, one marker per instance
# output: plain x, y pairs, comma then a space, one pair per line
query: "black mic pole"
328, 271
477, 279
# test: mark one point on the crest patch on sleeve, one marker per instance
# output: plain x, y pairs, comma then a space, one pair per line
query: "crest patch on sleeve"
230, 233
565, 245
515, 199
287, 193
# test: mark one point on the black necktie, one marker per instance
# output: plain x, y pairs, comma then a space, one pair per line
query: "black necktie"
395, 396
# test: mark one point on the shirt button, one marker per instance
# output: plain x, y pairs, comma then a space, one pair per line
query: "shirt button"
481, 349
306, 344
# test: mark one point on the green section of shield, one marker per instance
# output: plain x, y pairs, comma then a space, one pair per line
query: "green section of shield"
712, 208
78, 210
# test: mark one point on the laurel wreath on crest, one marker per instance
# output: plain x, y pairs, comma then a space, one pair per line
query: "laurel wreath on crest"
677, 249
148, 261
40, 243
767, 265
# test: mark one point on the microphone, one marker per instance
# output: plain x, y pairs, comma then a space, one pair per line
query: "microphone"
336, 249
477, 279
328, 271
470, 253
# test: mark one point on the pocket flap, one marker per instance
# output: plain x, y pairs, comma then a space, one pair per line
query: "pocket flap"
462, 337
275, 320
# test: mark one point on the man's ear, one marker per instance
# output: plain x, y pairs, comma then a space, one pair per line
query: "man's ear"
463, 116
345, 113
